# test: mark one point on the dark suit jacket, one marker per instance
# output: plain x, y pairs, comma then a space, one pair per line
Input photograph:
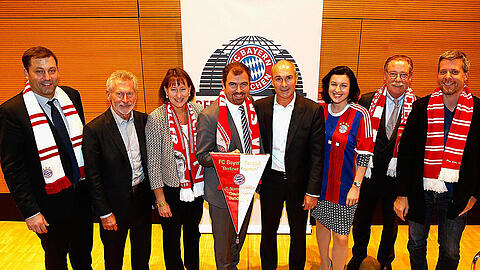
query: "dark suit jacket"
206, 143
107, 166
410, 163
21, 164
304, 151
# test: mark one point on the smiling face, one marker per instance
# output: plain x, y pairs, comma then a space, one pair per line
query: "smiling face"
236, 87
43, 76
123, 98
178, 93
397, 77
338, 89
451, 76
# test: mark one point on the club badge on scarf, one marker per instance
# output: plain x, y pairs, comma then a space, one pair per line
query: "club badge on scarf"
239, 175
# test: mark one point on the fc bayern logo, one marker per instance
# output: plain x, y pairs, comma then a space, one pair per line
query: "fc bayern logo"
239, 179
343, 127
47, 172
259, 60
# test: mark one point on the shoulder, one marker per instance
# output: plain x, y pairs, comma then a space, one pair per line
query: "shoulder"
196, 107
14, 103
72, 93
99, 121
211, 110
307, 103
421, 102
366, 99
264, 101
140, 115
158, 113
359, 108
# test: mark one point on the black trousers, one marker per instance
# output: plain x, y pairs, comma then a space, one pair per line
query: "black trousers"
273, 194
139, 222
188, 215
373, 192
73, 237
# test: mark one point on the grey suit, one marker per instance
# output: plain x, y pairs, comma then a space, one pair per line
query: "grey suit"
227, 251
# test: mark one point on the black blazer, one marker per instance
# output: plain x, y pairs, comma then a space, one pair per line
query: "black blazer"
304, 151
107, 166
410, 163
21, 164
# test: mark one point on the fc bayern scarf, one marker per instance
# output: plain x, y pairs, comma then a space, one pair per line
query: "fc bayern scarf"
442, 162
193, 173
223, 128
52, 168
376, 111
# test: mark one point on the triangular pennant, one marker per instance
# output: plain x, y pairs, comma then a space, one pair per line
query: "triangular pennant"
239, 175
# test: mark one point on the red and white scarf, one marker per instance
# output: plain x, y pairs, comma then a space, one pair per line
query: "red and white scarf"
52, 168
442, 162
193, 168
223, 128
376, 110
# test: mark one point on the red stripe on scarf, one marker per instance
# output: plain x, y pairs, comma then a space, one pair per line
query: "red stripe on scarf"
49, 156
39, 123
47, 149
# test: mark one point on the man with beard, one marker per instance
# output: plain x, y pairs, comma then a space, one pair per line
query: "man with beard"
438, 165
389, 108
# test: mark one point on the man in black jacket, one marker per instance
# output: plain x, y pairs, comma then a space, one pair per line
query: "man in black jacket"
389, 108
40, 149
438, 165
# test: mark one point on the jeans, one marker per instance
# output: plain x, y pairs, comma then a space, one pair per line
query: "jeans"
449, 234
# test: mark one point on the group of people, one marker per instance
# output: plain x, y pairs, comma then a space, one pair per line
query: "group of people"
338, 158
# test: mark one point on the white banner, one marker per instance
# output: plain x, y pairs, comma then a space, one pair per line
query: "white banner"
258, 34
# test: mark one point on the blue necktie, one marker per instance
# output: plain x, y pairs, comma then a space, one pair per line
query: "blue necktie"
67, 143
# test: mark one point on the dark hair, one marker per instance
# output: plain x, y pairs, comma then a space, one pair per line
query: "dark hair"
354, 92
399, 57
36, 52
237, 68
455, 54
175, 76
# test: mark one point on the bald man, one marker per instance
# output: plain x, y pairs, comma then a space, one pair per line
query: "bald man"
292, 130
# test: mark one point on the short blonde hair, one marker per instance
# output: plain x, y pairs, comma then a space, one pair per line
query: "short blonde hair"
123, 75
455, 54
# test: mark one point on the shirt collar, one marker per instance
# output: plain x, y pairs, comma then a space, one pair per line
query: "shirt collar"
232, 107
43, 100
119, 120
400, 98
289, 105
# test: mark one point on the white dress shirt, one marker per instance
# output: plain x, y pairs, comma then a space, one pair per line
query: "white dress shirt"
280, 124
237, 118
389, 105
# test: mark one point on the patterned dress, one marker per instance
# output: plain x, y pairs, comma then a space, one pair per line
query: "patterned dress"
348, 143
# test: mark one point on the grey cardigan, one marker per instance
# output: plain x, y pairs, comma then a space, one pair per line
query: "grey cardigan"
162, 169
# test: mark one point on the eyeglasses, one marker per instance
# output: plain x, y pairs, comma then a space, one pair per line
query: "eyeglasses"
393, 75
234, 86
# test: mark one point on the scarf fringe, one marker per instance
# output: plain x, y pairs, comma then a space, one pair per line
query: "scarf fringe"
448, 175
392, 167
186, 195
57, 186
198, 189
434, 185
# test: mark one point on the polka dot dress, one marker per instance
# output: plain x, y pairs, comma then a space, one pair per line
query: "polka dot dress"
336, 217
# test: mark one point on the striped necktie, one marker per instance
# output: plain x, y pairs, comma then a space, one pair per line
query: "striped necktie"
246, 132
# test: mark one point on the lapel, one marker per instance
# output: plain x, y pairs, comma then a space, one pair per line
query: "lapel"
140, 129
268, 124
296, 119
112, 130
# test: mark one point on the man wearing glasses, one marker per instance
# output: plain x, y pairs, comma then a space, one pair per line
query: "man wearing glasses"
389, 108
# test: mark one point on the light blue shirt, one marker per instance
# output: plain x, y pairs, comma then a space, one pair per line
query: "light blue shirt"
42, 101
130, 140
390, 105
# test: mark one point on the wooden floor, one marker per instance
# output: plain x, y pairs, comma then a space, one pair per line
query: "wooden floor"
20, 249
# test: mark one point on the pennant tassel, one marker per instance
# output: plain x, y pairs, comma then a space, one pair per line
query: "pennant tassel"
198, 189
392, 167
57, 186
186, 195
368, 173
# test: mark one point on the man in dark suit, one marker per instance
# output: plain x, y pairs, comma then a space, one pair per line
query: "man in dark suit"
116, 169
226, 111
389, 109
40, 149
292, 129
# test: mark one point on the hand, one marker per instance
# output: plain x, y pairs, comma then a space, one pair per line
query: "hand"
352, 196
470, 204
164, 211
400, 206
37, 224
109, 223
309, 202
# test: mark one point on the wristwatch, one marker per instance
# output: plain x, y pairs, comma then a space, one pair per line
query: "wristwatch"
357, 184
